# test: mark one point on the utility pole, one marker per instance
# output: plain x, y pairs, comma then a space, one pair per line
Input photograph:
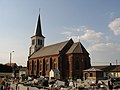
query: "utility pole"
116, 67
11, 57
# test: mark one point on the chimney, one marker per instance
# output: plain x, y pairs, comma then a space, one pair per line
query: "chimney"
110, 64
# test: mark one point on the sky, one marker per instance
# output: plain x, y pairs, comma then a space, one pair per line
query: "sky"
95, 23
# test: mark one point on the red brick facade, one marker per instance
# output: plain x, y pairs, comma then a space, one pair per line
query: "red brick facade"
68, 57
92, 73
70, 65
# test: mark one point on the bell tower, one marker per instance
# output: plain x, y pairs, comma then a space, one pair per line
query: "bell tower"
37, 40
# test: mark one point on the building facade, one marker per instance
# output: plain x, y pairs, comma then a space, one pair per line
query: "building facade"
109, 70
23, 73
92, 74
68, 57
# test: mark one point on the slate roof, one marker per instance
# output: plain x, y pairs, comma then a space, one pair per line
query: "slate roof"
38, 31
50, 50
56, 48
77, 48
92, 69
74, 50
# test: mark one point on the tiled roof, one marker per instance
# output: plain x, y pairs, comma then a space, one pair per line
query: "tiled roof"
92, 69
12, 64
49, 50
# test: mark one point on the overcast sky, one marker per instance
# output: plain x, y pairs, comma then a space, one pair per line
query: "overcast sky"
96, 23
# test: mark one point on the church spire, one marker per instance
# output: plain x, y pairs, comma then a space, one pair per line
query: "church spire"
38, 29
37, 40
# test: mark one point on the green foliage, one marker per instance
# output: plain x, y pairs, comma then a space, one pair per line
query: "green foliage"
4, 68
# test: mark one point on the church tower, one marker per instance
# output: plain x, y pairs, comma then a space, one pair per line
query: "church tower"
37, 40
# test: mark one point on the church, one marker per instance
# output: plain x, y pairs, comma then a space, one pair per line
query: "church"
68, 57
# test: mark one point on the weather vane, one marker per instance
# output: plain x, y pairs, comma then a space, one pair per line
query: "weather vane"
39, 10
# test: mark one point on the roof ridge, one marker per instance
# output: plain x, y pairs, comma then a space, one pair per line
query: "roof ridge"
56, 43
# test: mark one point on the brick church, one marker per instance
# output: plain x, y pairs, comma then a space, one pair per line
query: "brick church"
68, 57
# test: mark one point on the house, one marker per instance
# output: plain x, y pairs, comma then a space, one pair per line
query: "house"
13, 65
92, 73
109, 70
15, 69
5, 71
69, 57
23, 73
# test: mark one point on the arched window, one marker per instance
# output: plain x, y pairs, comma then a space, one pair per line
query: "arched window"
39, 42
51, 63
30, 65
47, 65
54, 64
35, 65
40, 66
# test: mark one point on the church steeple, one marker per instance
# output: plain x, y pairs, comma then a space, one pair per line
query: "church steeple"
38, 29
37, 40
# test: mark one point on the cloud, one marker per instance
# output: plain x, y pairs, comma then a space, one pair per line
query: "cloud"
92, 36
100, 46
109, 47
67, 33
84, 33
104, 53
115, 26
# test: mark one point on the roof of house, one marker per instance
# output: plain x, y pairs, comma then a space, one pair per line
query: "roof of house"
5, 69
23, 69
50, 50
92, 69
108, 67
55, 70
12, 64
